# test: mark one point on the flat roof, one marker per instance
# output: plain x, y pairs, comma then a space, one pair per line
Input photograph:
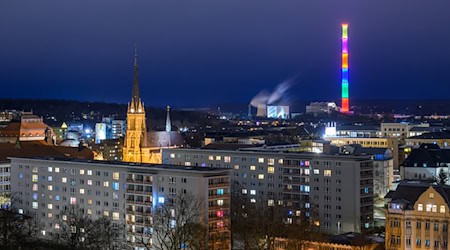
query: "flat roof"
130, 165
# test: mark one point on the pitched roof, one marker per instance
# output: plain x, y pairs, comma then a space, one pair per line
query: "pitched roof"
431, 157
40, 149
408, 192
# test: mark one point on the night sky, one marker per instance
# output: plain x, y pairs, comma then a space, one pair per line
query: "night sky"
204, 52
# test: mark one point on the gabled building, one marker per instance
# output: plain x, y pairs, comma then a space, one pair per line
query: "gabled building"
418, 216
426, 162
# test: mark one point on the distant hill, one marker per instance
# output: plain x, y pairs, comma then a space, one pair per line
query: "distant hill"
55, 112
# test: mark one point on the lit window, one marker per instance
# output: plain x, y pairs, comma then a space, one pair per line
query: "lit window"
220, 191
35, 187
280, 161
57, 226
50, 206
105, 213
35, 178
261, 160
115, 216
89, 172
89, 211
50, 178
187, 163
220, 202
50, 187
253, 168
81, 190
172, 156
253, 192
327, 173
261, 176
270, 170
81, 171
64, 217
115, 186
73, 201
106, 183
116, 176
161, 200
35, 205
50, 169
431, 196
89, 182
227, 159
218, 158
244, 191
270, 202
442, 209
211, 158
219, 213
236, 166
56, 170
434, 208
57, 198
420, 207
50, 215
64, 180
253, 200
316, 171
428, 207
271, 161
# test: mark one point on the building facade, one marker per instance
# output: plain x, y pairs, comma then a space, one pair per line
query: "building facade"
336, 192
125, 192
418, 217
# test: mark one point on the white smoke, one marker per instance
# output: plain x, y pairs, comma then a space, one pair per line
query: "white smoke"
278, 94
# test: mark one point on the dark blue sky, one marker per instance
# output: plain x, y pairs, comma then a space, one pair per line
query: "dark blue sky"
201, 52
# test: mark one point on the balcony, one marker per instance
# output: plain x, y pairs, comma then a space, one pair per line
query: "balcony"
222, 184
139, 181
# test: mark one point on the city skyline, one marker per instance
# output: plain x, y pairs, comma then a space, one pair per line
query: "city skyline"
397, 50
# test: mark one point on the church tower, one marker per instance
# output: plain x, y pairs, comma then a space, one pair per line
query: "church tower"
136, 134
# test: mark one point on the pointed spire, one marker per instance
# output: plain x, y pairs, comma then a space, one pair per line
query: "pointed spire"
135, 97
168, 124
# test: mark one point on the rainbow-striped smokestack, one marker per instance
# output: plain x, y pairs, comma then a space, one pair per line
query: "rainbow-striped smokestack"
344, 106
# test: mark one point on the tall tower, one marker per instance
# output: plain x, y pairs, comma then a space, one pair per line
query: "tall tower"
345, 97
168, 124
136, 134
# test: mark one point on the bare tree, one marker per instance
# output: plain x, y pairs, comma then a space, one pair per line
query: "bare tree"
178, 224
255, 226
77, 230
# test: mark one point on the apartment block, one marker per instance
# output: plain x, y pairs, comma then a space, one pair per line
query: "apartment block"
336, 191
126, 192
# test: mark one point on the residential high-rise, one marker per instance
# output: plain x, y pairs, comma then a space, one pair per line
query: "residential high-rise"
334, 191
126, 192
345, 96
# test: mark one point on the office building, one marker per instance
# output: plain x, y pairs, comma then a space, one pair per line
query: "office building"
126, 192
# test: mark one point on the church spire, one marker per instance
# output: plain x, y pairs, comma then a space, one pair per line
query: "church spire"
135, 98
168, 124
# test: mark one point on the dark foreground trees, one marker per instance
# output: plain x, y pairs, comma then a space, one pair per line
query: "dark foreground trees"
77, 230
177, 224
